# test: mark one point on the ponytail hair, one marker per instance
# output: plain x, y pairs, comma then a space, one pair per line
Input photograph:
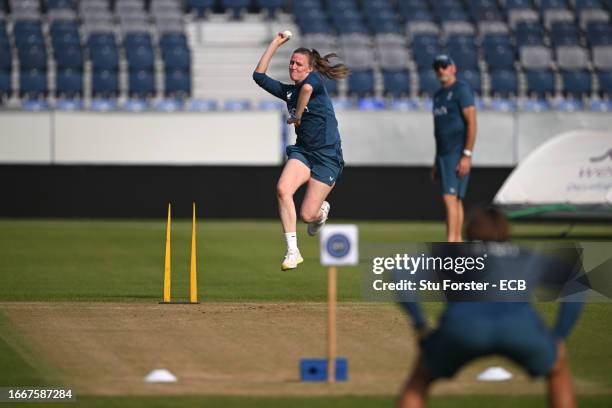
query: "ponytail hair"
322, 64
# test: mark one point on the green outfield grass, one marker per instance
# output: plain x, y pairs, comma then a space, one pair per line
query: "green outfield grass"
123, 260
100, 261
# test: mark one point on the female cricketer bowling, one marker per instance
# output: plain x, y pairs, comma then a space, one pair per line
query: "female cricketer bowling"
316, 158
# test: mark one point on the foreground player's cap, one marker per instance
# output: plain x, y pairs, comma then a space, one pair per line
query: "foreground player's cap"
443, 61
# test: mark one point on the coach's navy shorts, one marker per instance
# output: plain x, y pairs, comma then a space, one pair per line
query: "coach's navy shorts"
447, 170
325, 164
461, 338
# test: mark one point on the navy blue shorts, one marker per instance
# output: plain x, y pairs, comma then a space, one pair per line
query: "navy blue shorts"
447, 170
521, 337
325, 164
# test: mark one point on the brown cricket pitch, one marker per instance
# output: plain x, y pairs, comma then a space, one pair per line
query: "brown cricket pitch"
230, 348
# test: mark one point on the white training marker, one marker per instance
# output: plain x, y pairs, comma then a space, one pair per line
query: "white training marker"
494, 374
160, 375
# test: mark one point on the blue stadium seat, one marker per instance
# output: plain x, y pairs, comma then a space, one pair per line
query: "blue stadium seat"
577, 83
605, 83
104, 57
484, 10
472, 77
419, 15
176, 58
305, 5
517, 4
177, 83
428, 82
66, 38
235, 6
396, 82
553, 4
461, 40
33, 57
420, 40
61, 4
33, 83
504, 83
599, 33
465, 57
60, 27
315, 27
499, 57
28, 32
6, 90
105, 83
564, 34
587, 4
361, 83
451, 14
141, 58
494, 39
141, 84
200, 7
6, 59
137, 39
351, 27
272, 6
424, 56
529, 34
173, 39
69, 57
339, 6
97, 39
69, 83
540, 83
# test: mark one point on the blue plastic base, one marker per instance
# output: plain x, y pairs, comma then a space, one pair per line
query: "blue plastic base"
315, 369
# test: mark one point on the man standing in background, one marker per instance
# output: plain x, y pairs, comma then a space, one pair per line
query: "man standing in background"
455, 131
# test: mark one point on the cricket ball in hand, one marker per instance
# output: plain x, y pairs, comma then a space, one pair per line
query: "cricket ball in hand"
287, 34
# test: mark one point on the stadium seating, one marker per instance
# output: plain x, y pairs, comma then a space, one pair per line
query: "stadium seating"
503, 48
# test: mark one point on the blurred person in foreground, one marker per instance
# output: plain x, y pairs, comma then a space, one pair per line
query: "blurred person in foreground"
455, 132
513, 329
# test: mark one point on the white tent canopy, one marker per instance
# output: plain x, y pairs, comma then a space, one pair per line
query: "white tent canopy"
573, 168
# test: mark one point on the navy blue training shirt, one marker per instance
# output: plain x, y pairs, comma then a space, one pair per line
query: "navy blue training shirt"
521, 265
318, 127
450, 127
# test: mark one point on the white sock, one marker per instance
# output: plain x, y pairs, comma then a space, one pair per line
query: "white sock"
291, 238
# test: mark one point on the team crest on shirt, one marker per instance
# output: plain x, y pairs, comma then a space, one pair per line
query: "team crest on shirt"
289, 94
450, 95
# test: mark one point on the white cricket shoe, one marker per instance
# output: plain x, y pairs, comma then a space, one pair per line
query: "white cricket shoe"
315, 226
292, 259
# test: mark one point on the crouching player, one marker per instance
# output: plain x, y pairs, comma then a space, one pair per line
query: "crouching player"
469, 330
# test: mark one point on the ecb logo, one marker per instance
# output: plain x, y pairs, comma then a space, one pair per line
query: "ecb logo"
339, 245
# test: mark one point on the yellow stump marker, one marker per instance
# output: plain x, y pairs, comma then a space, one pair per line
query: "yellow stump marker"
167, 271
193, 273
331, 324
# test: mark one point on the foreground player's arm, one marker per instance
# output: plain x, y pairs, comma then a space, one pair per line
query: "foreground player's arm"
569, 312
303, 99
260, 77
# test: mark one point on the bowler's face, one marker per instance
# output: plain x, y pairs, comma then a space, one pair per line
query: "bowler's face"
299, 67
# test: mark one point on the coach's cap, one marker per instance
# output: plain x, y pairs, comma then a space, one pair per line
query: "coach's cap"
443, 61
